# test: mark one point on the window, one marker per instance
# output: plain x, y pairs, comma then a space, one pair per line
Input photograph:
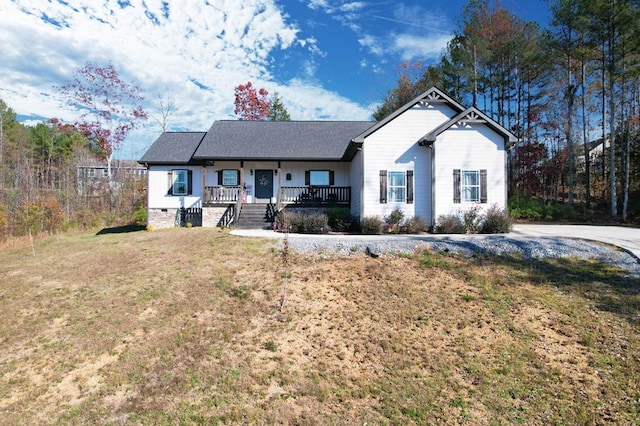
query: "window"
469, 186
230, 177
180, 182
397, 187
319, 177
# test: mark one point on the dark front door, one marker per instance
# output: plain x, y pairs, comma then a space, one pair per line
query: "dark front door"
264, 184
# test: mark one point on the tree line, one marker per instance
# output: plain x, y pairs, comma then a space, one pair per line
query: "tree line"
43, 184
571, 93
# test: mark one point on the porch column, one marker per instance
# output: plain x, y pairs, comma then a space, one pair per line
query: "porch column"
204, 183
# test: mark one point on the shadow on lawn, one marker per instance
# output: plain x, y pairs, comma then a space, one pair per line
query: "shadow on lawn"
610, 288
121, 229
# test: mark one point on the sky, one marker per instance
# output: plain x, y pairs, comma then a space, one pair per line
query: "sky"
326, 59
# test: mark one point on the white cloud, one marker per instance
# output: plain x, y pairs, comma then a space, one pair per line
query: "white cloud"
163, 47
352, 7
410, 46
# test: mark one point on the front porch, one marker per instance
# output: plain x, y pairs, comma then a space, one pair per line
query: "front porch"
299, 195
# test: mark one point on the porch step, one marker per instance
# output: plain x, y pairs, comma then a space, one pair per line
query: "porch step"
256, 216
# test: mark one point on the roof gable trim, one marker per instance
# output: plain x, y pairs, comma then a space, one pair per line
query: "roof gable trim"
430, 97
467, 118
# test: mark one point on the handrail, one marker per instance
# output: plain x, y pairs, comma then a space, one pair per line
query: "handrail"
236, 213
315, 194
222, 194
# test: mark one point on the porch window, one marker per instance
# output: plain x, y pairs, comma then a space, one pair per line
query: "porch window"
230, 178
179, 182
319, 177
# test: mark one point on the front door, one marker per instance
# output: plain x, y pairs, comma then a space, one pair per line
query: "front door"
264, 184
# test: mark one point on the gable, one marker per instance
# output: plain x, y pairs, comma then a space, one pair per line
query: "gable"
470, 117
432, 97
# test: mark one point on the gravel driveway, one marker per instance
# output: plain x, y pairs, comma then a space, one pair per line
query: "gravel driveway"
467, 245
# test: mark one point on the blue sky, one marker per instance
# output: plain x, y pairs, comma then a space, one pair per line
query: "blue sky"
327, 59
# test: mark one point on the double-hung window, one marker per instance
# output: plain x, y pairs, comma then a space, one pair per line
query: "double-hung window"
179, 182
469, 186
397, 187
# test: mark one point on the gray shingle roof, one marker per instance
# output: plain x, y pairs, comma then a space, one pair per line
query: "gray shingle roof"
280, 140
173, 148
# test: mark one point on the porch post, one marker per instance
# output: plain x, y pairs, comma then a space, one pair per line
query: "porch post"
204, 183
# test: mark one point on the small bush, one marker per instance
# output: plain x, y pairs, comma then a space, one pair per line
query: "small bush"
393, 221
303, 223
315, 223
449, 224
371, 225
415, 225
341, 220
472, 219
496, 221
139, 217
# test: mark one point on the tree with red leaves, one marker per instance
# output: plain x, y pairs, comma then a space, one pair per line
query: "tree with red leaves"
110, 107
251, 104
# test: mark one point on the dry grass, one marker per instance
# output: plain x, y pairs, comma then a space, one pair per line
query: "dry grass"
190, 326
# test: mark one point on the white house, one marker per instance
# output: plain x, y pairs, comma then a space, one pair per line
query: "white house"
430, 157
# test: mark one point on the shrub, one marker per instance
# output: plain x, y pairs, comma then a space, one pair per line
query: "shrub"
315, 223
303, 223
371, 225
449, 224
496, 221
472, 219
523, 207
139, 217
4, 224
415, 225
341, 220
393, 221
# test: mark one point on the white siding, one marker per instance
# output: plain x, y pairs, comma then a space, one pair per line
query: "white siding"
468, 148
394, 147
158, 187
297, 170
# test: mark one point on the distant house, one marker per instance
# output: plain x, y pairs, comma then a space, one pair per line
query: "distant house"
92, 177
430, 157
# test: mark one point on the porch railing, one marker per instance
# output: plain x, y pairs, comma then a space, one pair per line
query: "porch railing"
315, 195
222, 195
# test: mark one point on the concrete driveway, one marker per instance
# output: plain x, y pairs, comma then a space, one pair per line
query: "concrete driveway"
624, 237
